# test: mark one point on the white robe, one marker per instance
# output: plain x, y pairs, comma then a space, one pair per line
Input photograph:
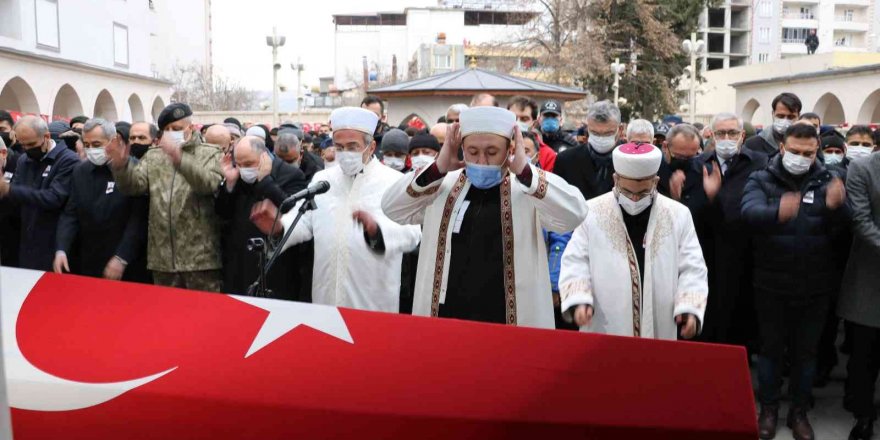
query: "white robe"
548, 203
599, 268
347, 273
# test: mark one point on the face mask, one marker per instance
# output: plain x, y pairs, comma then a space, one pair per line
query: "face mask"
856, 152
249, 175
351, 162
484, 176
603, 144
681, 164
780, 125
523, 126
97, 156
395, 163
421, 161
833, 159
550, 125
139, 150
7, 139
631, 207
330, 164
796, 165
176, 136
726, 148
36, 154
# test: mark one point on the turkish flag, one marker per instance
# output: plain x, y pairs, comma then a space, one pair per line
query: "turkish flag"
235, 368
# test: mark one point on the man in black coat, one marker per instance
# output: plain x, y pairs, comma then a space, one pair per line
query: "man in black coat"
550, 122
102, 232
589, 167
793, 208
289, 147
250, 176
730, 317
40, 188
786, 108
10, 218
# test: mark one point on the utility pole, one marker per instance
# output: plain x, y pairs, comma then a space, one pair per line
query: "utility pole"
366, 76
694, 48
617, 69
298, 67
275, 42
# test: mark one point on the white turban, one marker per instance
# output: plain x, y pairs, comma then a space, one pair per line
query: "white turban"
636, 161
354, 118
491, 120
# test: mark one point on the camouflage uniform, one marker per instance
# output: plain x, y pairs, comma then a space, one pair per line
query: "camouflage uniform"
184, 239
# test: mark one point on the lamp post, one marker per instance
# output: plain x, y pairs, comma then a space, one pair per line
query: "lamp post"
617, 69
694, 48
275, 41
298, 68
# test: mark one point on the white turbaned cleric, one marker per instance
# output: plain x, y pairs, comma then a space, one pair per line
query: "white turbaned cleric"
354, 118
491, 120
637, 161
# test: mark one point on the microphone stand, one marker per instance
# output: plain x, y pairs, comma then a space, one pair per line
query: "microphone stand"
258, 288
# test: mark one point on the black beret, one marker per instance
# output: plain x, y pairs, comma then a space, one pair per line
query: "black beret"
173, 113
424, 140
123, 129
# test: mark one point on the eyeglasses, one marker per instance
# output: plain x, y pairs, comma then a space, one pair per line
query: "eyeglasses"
860, 144
727, 134
635, 196
351, 148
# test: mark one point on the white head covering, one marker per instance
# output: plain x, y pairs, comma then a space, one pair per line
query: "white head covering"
354, 118
636, 161
491, 120
256, 131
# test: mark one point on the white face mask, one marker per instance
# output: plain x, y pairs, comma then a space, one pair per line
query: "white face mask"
631, 207
833, 159
523, 126
780, 125
331, 164
395, 163
603, 144
97, 156
351, 162
795, 164
854, 152
726, 148
176, 136
249, 175
421, 161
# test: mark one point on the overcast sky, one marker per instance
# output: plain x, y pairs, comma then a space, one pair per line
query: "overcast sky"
240, 29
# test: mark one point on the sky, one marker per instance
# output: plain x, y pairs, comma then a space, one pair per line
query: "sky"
239, 30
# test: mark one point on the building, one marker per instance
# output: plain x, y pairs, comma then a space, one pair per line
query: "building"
726, 29
780, 27
384, 35
102, 58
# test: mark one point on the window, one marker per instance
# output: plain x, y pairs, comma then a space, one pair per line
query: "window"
763, 57
806, 14
764, 35
845, 40
442, 61
47, 24
765, 8
120, 45
848, 15
795, 35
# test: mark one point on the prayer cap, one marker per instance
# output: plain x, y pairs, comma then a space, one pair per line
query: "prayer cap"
354, 118
636, 161
256, 131
487, 120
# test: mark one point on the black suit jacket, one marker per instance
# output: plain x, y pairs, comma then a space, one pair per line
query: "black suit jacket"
588, 171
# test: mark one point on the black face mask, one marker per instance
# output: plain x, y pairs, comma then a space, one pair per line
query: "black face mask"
139, 150
36, 153
71, 142
681, 164
7, 139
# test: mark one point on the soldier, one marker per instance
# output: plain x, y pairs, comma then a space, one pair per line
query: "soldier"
180, 176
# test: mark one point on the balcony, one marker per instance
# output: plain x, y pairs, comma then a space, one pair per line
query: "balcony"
865, 3
842, 24
804, 2
790, 47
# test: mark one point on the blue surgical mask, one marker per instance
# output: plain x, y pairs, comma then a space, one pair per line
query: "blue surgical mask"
550, 125
484, 176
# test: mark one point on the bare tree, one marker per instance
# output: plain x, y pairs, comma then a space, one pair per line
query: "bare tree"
194, 85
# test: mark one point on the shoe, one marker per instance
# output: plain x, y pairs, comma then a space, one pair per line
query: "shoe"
767, 421
863, 430
799, 424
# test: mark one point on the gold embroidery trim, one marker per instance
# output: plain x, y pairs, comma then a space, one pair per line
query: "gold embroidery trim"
507, 236
636, 289
542, 185
575, 287
696, 300
441, 243
416, 194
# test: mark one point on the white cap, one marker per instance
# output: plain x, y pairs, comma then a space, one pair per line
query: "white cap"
491, 120
354, 118
256, 131
636, 161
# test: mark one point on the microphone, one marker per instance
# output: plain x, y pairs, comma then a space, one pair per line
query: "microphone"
308, 193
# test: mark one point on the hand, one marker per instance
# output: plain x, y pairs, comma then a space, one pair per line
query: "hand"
171, 148
4, 187
265, 167
447, 160
263, 216
369, 224
688, 327
229, 172
520, 160
60, 263
712, 182
114, 269
583, 315
789, 206
676, 183
835, 194
116, 152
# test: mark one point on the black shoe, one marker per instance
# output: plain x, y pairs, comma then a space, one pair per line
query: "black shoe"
863, 430
767, 421
799, 424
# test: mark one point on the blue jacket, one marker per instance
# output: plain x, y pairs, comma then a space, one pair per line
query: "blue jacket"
556, 243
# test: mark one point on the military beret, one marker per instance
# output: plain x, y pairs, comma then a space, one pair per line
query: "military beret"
173, 113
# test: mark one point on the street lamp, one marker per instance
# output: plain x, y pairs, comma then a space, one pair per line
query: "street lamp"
275, 41
694, 48
298, 68
617, 69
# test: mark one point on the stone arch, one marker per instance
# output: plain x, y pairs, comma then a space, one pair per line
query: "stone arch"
17, 95
870, 111
158, 106
135, 108
749, 110
829, 108
105, 106
67, 103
